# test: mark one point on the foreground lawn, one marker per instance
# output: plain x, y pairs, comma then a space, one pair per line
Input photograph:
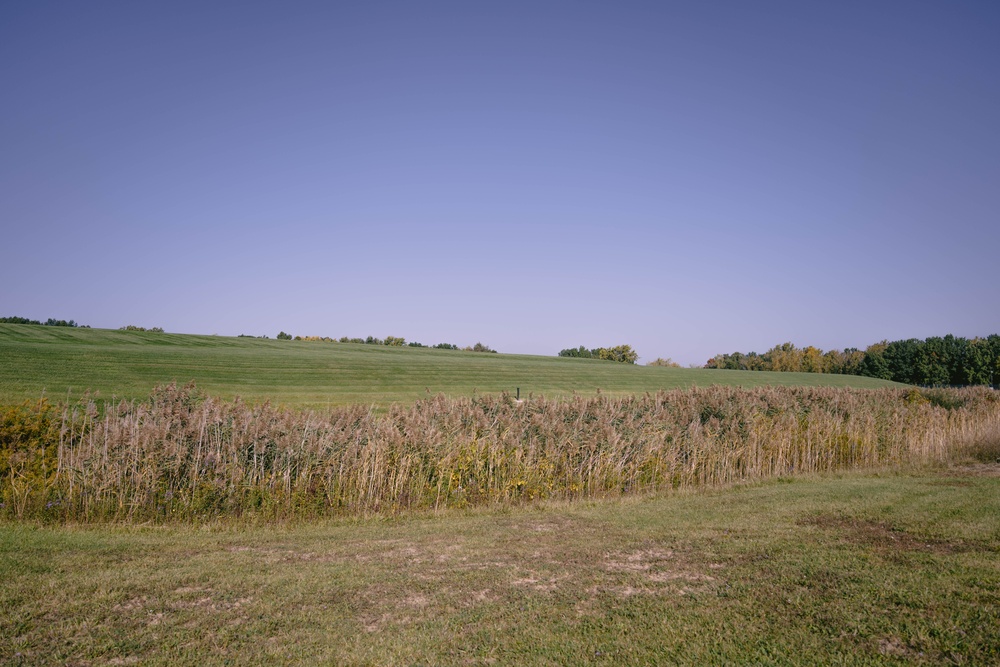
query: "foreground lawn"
857, 569
61, 361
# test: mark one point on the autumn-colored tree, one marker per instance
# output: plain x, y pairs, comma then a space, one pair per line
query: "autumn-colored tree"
785, 357
621, 353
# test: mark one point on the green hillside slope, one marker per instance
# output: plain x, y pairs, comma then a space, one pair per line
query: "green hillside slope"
61, 361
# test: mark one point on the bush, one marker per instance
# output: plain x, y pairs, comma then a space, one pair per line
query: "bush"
29, 441
623, 354
284, 336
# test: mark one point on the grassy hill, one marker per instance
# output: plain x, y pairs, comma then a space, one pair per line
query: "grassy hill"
61, 361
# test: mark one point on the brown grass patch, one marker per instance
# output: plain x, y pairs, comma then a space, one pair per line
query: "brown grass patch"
886, 538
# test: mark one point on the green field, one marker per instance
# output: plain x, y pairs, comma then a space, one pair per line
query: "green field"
61, 361
887, 569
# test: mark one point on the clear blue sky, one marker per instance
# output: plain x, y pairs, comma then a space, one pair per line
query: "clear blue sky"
689, 178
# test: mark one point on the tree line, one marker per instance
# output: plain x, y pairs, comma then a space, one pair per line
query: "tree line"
936, 361
389, 341
51, 322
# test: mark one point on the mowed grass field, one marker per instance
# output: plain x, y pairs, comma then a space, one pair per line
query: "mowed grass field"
59, 361
857, 569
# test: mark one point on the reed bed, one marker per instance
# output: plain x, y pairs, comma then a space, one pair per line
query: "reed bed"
182, 456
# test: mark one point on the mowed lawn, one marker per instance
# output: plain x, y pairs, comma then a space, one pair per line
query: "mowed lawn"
891, 569
59, 361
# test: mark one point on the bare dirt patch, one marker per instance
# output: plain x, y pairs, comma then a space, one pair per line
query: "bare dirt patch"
893, 646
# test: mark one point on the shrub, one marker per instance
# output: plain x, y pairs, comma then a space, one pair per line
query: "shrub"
284, 336
29, 442
666, 363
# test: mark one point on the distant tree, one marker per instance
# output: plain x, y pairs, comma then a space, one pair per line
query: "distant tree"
979, 361
578, 352
993, 358
415, 344
735, 361
903, 361
394, 341
785, 357
621, 353
852, 361
445, 346
833, 361
666, 363
956, 352
479, 347
812, 360
874, 363
59, 323
284, 336
17, 320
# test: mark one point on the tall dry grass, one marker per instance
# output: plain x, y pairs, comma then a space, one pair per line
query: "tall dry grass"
183, 456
